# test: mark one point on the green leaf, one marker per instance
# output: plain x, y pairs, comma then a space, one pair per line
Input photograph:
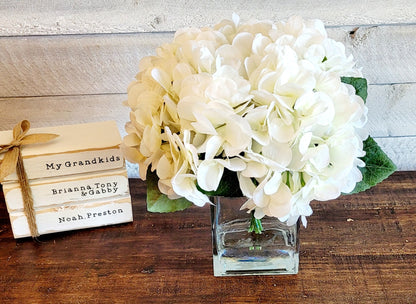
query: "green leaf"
378, 166
229, 186
159, 202
359, 84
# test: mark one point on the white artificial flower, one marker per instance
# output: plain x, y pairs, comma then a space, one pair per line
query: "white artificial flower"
210, 171
271, 197
264, 100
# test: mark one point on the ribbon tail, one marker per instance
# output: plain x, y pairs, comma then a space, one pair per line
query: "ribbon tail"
8, 164
28, 208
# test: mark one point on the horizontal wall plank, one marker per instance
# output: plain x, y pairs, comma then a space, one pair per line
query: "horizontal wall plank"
63, 110
392, 110
401, 150
386, 53
395, 133
75, 17
72, 65
100, 64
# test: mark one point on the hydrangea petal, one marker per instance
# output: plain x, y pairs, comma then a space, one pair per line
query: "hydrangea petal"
209, 174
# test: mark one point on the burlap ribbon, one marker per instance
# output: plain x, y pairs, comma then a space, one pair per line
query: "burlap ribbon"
13, 160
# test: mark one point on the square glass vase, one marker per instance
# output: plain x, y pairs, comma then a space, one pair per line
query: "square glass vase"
237, 252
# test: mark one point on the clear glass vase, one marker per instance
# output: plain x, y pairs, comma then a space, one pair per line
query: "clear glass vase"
239, 252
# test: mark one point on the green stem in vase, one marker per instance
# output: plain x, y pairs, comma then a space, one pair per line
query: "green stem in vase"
255, 225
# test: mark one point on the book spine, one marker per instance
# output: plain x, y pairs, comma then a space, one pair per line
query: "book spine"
65, 190
72, 217
71, 163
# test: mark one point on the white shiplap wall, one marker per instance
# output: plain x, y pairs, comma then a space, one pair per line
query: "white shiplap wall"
67, 62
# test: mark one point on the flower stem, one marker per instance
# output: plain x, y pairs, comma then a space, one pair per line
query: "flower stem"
255, 225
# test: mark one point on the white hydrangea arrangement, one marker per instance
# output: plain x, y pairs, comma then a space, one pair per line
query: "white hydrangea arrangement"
271, 111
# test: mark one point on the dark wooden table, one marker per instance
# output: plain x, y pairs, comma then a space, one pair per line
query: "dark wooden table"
356, 249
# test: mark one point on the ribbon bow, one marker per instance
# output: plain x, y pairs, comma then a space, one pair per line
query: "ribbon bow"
13, 160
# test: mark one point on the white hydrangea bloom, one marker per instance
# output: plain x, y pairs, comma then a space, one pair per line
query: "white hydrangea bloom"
262, 99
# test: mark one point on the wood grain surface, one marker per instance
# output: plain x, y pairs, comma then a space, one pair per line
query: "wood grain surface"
356, 249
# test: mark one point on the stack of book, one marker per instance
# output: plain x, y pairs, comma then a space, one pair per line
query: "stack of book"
78, 180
